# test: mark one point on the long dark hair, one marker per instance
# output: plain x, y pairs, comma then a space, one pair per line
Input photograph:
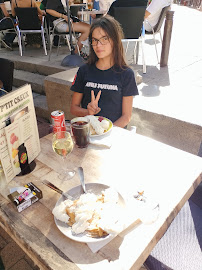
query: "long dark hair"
114, 31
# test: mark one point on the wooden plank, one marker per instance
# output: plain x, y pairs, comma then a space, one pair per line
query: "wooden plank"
42, 251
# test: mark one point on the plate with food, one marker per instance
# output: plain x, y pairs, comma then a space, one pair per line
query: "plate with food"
99, 125
88, 217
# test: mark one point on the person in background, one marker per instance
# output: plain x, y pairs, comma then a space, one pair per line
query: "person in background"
43, 7
105, 4
153, 12
33, 40
105, 86
57, 9
2, 92
8, 39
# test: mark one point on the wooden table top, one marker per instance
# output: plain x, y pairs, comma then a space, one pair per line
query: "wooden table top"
169, 174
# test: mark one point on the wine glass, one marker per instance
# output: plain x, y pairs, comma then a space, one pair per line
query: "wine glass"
62, 144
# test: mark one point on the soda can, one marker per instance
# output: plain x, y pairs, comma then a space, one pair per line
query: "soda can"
58, 121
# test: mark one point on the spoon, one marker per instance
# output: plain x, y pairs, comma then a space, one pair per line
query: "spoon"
81, 175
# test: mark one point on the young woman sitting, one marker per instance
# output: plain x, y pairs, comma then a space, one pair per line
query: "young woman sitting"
105, 86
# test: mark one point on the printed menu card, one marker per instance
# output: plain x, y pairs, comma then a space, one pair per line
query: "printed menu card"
19, 137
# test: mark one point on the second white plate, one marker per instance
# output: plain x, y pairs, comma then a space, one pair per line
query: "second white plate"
108, 130
75, 192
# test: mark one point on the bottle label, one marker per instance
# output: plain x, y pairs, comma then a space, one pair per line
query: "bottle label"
23, 158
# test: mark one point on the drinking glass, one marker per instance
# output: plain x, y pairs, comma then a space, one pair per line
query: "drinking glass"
63, 145
90, 5
81, 130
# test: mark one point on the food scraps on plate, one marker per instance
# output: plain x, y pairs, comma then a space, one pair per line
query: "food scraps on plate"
96, 215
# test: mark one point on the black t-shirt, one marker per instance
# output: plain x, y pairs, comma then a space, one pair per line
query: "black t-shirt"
55, 5
115, 83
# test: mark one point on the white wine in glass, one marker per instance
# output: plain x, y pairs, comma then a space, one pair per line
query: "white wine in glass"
62, 144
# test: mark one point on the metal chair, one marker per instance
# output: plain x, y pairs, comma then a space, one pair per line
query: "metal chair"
180, 247
157, 28
28, 22
6, 73
6, 26
52, 32
131, 19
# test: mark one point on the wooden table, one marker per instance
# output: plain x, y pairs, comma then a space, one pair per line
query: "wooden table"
169, 174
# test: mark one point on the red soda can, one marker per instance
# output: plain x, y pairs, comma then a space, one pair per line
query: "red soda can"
58, 121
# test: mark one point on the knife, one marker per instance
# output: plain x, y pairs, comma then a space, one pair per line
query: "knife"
50, 185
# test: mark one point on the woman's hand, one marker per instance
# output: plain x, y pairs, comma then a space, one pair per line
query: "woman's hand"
65, 17
93, 105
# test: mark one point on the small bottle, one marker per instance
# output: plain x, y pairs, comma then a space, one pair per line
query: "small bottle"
22, 196
23, 158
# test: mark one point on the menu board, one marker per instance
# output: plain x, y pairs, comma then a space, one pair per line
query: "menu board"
19, 137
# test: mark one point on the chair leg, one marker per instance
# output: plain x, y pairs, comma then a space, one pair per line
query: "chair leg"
74, 34
143, 58
68, 43
51, 45
126, 50
19, 41
23, 42
136, 52
161, 37
47, 31
43, 41
58, 45
156, 48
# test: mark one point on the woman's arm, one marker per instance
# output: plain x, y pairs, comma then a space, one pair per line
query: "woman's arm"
126, 112
147, 13
4, 10
56, 14
13, 6
40, 12
75, 108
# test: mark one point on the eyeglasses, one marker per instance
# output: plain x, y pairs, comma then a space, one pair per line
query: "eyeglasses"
103, 41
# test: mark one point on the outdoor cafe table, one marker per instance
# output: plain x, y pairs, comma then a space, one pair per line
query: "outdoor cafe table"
167, 173
82, 13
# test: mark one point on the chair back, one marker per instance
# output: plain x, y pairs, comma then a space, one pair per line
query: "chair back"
74, 10
28, 18
1, 14
158, 26
6, 24
6, 73
131, 20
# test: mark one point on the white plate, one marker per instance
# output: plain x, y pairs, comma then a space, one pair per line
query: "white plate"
107, 132
75, 192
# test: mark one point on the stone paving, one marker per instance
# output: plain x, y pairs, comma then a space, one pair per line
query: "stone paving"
175, 91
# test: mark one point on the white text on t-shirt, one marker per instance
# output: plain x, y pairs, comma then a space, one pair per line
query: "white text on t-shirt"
102, 86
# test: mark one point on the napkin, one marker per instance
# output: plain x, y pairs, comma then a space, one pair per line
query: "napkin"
128, 217
101, 142
145, 213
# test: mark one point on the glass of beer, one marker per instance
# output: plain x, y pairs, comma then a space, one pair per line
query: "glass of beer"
62, 144
80, 129
90, 5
